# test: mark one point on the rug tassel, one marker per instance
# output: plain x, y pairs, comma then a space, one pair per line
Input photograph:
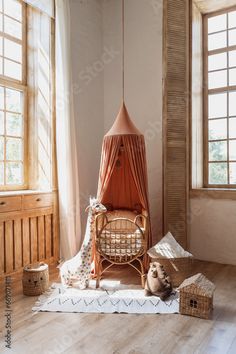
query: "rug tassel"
42, 299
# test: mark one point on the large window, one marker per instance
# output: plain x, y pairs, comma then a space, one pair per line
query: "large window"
220, 99
13, 93
27, 94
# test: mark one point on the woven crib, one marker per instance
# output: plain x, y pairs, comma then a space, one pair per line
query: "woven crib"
121, 238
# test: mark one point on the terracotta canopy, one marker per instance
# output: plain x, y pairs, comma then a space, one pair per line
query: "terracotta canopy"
123, 171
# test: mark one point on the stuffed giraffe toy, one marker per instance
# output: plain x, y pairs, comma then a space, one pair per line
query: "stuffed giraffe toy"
78, 269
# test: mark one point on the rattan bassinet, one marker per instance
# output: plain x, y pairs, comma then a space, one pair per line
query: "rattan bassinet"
121, 238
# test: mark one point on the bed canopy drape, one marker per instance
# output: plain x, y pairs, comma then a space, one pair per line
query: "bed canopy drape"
123, 180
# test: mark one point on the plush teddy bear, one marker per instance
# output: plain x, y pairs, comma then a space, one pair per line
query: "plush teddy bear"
158, 282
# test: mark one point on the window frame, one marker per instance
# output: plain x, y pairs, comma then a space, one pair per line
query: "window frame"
20, 85
206, 93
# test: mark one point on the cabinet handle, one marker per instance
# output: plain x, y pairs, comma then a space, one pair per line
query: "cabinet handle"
38, 200
2, 203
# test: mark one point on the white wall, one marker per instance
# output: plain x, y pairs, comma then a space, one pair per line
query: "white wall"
86, 46
143, 82
213, 230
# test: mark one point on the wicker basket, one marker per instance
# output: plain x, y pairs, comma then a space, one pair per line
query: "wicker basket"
35, 279
177, 268
196, 296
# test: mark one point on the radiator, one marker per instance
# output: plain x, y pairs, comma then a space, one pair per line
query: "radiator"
28, 231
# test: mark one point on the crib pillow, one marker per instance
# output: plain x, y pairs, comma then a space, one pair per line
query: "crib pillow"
121, 213
168, 247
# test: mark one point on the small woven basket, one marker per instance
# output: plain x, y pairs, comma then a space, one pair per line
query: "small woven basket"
35, 279
204, 305
196, 296
177, 268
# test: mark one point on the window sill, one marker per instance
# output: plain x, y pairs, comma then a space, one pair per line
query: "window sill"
23, 192
213, 193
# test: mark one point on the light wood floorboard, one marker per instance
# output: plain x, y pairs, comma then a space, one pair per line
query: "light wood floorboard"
56, 333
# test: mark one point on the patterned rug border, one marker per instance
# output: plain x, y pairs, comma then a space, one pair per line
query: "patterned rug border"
128, 300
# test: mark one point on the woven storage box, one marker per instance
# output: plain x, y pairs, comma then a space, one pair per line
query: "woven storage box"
35, 279
177, 268
193, 304
196, 296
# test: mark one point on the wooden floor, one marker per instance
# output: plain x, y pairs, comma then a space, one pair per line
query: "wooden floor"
56, 333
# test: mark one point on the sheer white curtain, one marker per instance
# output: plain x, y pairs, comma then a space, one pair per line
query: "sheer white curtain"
68, 185
40, 97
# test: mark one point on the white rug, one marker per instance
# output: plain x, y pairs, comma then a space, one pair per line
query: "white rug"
105, 300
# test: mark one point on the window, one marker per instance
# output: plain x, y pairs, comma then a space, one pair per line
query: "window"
220, 99
193, 303
13, 92
27, 95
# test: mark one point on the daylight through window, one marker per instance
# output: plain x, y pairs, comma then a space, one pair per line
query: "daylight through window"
12, 94
220, 98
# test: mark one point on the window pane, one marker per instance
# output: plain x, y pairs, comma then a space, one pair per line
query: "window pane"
217, 79
1, 148
218, 105
1, 21
217, 61
12, 50
12, 27
1, 97
14, 173
13, 100
12, 69
232, 150
232, 173
232, 37
216, 41
232, 103
218, 173
14, 149
13, 8
217, 23
1, 123
1, 69
1, 171
1, 39
232, 19
232, 128
14, 124
217, 129
232, 58
232, 77
218, 151
0, 5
